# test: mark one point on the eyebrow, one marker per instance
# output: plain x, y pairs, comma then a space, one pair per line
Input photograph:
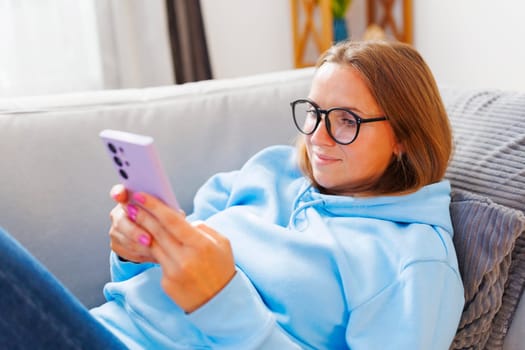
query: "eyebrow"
353, 109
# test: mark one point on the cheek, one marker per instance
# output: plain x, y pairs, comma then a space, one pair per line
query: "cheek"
307, 143
380, 136
371, 151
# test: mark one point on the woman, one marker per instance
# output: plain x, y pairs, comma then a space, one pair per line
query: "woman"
343, 242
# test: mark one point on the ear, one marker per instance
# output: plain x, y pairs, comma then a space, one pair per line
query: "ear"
398, 149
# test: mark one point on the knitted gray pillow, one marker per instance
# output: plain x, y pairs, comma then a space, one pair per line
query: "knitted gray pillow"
489, 142
484, 237
489, 159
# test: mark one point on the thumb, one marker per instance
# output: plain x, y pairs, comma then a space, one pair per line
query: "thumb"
119, 193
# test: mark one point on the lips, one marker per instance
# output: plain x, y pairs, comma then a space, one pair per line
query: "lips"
324, 159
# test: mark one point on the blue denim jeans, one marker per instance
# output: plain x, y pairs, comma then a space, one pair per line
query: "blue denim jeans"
37, 312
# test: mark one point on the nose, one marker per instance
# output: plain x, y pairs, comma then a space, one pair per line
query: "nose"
320, 136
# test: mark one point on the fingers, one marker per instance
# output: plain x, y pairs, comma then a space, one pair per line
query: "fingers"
208, 232
169, 229
119, 193
128, 239
163, 244
197, 262
167, 219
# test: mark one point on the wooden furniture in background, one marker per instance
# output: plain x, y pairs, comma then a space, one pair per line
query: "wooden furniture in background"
312, 24
381, 13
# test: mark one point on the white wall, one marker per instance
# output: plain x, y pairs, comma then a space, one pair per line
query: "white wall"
477, 43
472, 43
248, 36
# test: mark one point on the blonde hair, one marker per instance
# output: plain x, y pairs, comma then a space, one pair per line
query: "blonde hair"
403, 86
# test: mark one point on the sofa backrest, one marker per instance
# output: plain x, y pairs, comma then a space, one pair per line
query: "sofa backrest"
56, 176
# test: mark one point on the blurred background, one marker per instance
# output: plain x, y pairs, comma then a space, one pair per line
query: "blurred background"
57, 46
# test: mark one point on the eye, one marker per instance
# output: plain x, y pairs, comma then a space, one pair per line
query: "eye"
311, 113
344, 119
349, 122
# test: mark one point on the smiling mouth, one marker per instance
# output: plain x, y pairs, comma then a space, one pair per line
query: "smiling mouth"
324, 159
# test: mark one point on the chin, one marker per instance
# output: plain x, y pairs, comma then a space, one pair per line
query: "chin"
329, 187
353, 188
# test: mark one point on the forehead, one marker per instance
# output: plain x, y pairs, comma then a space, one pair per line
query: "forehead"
340, 85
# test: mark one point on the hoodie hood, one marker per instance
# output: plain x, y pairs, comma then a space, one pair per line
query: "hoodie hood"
424, 206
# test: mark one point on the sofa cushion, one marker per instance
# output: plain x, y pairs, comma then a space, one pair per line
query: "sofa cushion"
489, 137
484, 237
489, 134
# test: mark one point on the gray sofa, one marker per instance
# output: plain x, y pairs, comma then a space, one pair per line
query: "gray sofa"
55, 176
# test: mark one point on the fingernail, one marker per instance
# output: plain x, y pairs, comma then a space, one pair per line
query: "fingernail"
145, 239
132, 212
139, 198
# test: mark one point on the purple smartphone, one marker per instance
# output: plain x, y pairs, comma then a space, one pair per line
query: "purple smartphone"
138, 164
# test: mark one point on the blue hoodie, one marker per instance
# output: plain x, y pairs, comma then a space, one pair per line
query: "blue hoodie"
314, 271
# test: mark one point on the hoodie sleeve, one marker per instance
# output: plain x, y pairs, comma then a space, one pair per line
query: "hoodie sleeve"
124, 270
418, 311
237, 318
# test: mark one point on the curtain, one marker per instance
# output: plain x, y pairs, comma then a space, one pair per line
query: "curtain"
188, 41
134, 43
47, 46
60, 46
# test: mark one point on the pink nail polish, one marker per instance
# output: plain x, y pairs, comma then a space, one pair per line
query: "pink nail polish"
145, 239
132, 212
139, 198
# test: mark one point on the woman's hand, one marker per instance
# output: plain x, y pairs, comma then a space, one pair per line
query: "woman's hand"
197, 262
127, 239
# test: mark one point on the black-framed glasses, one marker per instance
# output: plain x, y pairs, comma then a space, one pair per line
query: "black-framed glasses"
341, 123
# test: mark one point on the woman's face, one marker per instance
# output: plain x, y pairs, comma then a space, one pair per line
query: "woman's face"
348, 169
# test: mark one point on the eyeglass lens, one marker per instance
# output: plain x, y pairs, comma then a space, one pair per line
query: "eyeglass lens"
342, 124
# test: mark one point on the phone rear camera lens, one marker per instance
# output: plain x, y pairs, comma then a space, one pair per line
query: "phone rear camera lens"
112, 148
123, 174
117, 160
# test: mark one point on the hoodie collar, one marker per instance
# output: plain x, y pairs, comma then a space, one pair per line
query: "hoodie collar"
429, 205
